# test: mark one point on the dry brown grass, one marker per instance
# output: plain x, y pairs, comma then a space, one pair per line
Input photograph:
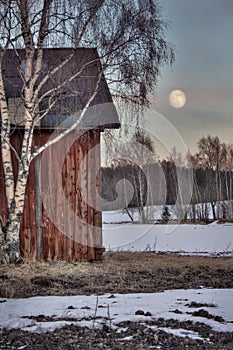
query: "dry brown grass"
122, 272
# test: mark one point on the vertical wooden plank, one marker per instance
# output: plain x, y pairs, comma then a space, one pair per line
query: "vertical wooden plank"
91, 194
38, 208
69, 196
73, 198
65, 181
54, 203
97, 214
77, 201
81, 208
46, 224
26, 236
81, 182
85, 214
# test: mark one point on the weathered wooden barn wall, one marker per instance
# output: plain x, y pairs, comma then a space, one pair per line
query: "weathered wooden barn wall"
39, 237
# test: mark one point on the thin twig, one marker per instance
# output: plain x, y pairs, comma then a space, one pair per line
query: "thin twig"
96, 308
109, 318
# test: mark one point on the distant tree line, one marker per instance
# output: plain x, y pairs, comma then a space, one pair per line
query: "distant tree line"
157, 183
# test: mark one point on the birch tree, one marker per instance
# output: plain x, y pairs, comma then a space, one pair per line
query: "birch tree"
130, 38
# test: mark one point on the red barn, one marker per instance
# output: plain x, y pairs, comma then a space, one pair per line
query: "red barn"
73, 231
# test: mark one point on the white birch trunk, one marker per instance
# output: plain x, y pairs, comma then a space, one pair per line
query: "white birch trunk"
10, 246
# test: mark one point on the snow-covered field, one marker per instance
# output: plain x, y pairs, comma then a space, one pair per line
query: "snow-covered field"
209, 239
112, 309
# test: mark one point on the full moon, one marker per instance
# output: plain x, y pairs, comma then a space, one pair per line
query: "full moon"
177, 98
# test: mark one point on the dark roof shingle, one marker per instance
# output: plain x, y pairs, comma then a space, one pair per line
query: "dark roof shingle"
73, 96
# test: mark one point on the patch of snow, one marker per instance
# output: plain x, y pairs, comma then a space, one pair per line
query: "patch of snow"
45, 327
19, 313
180, 332
130, 337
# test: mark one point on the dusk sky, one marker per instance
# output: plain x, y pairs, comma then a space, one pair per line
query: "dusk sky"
202, 32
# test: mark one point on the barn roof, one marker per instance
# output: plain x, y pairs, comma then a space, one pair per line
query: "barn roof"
74, 95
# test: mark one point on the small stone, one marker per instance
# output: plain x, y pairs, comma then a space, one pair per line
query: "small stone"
176, 311
218, 319
71, 307
111, 296
139, 312
148, 313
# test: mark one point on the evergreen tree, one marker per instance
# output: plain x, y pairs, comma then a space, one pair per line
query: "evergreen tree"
165, 214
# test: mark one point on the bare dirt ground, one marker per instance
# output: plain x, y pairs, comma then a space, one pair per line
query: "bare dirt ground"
118, 273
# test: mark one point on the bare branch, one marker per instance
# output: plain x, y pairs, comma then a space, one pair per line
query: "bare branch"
74, 126
58, 88
59, 67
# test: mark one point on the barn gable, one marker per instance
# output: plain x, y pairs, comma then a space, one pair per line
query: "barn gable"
71, 97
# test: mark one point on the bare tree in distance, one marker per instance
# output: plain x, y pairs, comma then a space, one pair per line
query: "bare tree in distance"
145, 156
130, 38
216, 157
